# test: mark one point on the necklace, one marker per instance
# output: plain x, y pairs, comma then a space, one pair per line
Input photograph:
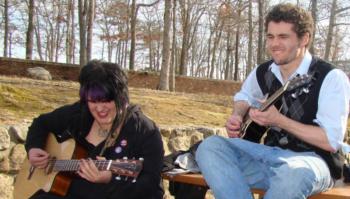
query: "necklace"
102, 132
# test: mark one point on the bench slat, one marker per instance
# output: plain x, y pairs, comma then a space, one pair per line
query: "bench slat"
341, 191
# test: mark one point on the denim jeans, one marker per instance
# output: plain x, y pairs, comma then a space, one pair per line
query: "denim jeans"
232, 166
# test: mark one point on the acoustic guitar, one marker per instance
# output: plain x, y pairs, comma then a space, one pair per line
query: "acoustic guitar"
56, 177
252, 131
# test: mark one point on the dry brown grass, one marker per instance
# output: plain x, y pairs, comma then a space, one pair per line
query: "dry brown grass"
21, 99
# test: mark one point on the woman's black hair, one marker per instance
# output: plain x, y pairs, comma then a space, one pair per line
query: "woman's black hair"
104, 81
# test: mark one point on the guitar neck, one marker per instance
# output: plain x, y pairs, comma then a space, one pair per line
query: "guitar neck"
73, 165
272, 99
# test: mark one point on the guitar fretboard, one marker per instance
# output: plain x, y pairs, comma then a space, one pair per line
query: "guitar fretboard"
273, 98
73, 165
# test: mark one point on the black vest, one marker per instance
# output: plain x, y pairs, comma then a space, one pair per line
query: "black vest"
300, 105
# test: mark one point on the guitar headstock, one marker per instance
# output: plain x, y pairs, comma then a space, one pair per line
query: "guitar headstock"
298, 81
127, 168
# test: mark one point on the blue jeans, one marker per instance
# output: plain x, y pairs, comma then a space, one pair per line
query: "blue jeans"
232, 166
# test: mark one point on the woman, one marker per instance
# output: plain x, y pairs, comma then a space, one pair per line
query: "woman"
106, 126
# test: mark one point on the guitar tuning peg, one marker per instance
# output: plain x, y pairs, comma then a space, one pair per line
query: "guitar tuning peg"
141, 159
134, 180
294, 95
118, 177
300, 92
306, 90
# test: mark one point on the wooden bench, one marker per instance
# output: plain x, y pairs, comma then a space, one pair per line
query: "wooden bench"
340, 191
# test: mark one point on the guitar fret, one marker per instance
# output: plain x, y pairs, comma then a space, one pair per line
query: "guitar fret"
125, 168
109, 165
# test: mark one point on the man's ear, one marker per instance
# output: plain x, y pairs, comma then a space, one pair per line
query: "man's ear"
305, 39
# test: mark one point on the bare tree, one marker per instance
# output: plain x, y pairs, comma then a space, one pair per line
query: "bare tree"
6, 34
49, 29
191, 12
332, 23
82, 10
228, 69
217, 39
314, 16
91, 16
240, 7
126, 42
59, 31
111, 22
173, 52
250, 38
185, 19
151, 33
30, 30
133, 34
236, 72
37, 29
260, 51
134, 9
164, 74
330, 29
70, 39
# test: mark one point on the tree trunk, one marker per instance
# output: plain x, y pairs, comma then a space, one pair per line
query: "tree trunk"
228, 72
173, 52
185, 18
90, 24
314, 16
215, 46
260, 51
235, 75
68, 32
184, 50
336, 45
38, 37
151, 56
6, 34
330, 30
164, 73
250, 40
58, 33
30, 30
82, 7
72, 50
209, 52
237, 54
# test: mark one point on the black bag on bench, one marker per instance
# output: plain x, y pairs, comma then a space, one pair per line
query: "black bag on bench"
183, 190
346, 173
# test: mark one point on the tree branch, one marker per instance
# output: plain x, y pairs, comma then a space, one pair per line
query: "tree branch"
342, 24
146, 5
342, 9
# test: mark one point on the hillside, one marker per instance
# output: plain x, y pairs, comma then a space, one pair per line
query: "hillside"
22, 99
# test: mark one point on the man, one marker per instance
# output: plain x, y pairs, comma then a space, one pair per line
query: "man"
300, 155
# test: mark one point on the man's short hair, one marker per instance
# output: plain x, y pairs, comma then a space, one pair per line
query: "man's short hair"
289, 13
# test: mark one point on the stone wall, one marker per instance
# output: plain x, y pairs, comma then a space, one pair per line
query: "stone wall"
12, 151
